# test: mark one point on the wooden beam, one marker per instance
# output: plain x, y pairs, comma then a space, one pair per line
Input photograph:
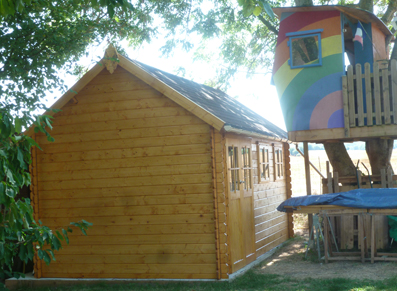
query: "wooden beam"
307, 175
356, 134
311, 164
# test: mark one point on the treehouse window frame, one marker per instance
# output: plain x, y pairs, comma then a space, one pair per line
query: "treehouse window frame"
305, 34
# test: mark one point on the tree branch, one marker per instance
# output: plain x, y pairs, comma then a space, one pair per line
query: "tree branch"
391, 9
268, 24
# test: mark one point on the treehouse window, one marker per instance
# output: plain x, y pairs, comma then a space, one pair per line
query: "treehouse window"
278, 163
305, 48
264, 164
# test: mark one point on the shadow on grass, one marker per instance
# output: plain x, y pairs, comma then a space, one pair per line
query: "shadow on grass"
249, 281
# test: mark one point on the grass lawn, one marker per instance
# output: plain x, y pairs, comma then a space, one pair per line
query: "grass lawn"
250, 281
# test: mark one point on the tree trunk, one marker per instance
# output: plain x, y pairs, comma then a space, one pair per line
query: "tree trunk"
379, 154
367, 5
304, 2
340, 159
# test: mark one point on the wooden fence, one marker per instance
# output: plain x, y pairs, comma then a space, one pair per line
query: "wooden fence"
347, 227
370, 99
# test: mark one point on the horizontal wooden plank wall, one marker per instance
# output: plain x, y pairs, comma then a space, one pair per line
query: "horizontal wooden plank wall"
271, 226
139, 167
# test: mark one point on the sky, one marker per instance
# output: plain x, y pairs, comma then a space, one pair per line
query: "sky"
255, 93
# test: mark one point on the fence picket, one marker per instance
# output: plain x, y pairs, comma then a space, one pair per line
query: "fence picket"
368, 93
378, 116
385, 93
350, 92
393, 80
360, 101
345, 106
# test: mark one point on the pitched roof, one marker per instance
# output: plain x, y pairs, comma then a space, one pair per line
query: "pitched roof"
218, 103
211, 105
353, 13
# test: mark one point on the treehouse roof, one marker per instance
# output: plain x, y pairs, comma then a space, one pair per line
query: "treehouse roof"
354, 14
211, 105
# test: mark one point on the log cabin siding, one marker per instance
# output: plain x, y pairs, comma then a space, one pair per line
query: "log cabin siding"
271, 226
139, 167
218, 157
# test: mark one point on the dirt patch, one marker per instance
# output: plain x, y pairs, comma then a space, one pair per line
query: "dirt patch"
290, 261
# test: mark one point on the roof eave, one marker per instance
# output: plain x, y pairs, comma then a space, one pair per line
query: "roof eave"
231, 129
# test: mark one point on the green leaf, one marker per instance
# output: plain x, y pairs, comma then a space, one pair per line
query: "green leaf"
46, 258
32, 142
56, 244
65, 234
1, 250
20, 158
268, 8
18, 124
23, 253
41, 254
51, 253
110, 10
5, 126
257, 11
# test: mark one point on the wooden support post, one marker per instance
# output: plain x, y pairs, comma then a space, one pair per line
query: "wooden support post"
325, 222
373, 249
336, 182
389, 178
359, 180
361, 236
383, 178
329, 179
329, 184
365, 234
308, 182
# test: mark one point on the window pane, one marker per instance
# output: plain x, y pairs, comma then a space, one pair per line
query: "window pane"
246, 157
234, 180
305, 50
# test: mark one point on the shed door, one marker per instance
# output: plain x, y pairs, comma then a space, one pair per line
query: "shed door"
241, 212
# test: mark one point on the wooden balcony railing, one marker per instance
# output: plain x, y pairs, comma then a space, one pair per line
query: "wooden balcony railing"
370, 99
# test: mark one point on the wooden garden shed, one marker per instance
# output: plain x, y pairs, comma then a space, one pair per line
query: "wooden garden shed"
180, 180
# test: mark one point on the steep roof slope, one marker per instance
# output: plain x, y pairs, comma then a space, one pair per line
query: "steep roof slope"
218, 103
211, 105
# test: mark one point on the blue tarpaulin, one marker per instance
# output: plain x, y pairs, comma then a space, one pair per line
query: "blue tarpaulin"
358, 198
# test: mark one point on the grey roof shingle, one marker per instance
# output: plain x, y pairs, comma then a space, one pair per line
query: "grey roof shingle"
226, 108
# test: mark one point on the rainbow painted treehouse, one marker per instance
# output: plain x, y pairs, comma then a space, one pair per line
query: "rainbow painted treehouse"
332, 74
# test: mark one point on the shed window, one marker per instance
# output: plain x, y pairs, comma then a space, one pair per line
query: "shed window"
305, 48
247, 169
234, 179
278, 163
264, 164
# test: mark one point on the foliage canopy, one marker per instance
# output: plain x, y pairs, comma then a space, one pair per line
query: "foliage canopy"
38, 38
